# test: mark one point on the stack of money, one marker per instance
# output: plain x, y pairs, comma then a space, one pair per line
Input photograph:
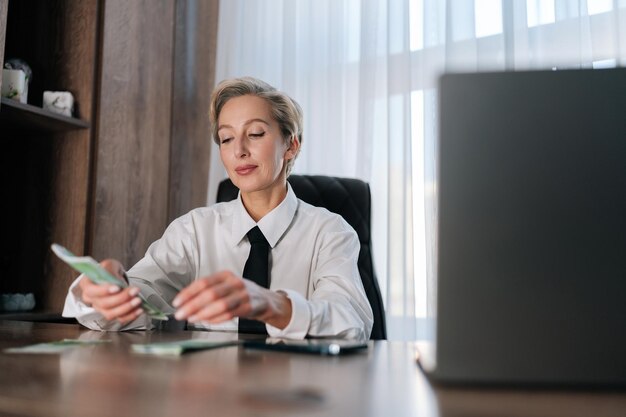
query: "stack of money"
55, 347
179, 347
98, 275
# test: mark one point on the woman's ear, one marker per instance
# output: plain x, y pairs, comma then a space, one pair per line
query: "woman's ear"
293, 149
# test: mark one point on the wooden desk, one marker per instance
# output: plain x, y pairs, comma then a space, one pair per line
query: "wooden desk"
107, 380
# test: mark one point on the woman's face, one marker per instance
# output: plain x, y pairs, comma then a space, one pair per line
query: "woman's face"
251, 145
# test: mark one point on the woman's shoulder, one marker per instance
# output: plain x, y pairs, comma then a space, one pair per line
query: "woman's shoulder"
325, 218
207, 214
217, 209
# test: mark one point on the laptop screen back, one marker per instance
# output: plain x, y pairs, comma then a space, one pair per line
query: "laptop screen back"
531, 264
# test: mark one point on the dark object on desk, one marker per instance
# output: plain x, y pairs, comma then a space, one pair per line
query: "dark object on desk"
351, 199
38, 317
313, 346
170, 325
532, 228
17, 302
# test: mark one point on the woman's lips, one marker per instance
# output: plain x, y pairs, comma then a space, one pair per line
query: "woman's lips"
245, 169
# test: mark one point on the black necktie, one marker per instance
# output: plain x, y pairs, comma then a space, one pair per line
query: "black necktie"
256, 270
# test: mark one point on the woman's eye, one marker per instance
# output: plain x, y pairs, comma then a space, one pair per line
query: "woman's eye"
257, 134
225, 140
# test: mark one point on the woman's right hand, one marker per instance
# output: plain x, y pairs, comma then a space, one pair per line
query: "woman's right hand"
113, 302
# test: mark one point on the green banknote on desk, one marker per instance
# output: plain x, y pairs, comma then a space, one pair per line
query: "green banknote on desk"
98, 275
55, 347
179, 347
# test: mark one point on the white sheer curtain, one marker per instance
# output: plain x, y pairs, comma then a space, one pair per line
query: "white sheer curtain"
365, 73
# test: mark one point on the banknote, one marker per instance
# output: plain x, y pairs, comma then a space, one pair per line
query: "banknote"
54, 347
179, 347
97, 274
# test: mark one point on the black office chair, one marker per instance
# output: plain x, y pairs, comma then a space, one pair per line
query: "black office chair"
351, 199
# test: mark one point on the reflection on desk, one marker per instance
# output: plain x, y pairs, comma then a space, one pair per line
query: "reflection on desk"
108, 380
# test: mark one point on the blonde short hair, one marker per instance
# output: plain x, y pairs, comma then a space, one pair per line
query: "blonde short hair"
285, 110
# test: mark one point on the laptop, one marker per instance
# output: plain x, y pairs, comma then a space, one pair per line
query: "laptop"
531, 254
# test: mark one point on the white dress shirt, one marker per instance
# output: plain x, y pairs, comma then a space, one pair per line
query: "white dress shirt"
313, 260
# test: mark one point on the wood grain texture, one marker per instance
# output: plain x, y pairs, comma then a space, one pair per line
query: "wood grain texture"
67, 211
74, 69
105, 191
24, 179
108, 380
133, 138
49, 173
4, 5
194, 77
44, 34
25, 119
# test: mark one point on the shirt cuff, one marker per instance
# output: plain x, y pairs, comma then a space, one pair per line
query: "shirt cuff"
298, 326
74, 304
92, 319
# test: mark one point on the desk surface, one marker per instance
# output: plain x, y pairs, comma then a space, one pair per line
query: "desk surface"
107, 380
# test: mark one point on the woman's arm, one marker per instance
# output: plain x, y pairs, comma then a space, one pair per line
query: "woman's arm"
224, 295
166, 268
338, 306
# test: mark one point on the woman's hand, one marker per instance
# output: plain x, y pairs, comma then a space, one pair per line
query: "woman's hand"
113, 302
224, 295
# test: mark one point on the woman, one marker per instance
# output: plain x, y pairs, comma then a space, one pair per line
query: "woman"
195, 269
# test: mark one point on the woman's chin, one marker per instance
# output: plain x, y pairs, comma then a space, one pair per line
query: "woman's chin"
248, 185
251, 185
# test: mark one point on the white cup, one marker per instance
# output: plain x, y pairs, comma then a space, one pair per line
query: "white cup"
14, 85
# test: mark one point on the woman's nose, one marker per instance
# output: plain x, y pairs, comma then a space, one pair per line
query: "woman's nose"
241, 147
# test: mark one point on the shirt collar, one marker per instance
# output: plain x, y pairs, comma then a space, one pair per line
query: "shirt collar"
273, 225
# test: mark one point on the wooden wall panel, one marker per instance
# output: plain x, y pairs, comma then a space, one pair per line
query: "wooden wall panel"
133, 137
73, 68
194, 77
141, 73
51, 172
4, 4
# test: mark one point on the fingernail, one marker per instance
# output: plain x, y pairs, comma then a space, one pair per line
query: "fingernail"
135, 302
114, 289
133, 291
176, 302
180, 314
192, 319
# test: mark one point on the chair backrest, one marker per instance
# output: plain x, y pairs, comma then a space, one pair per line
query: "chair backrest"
351, 199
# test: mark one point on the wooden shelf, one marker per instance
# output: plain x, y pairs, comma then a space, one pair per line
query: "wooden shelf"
27, 119
68, 184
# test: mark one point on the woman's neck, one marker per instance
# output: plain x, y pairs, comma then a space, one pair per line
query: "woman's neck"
259, 203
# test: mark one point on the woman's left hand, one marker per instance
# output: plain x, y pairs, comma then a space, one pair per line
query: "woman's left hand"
224, 295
